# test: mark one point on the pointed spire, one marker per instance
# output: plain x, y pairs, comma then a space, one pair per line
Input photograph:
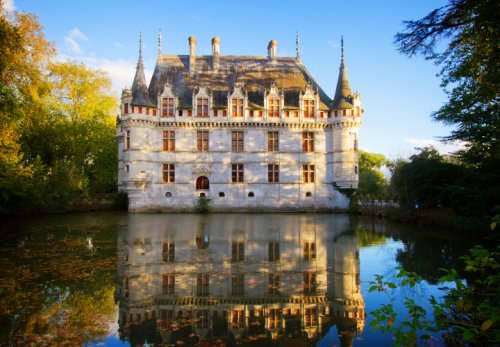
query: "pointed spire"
140, 94
343, 94
297, 48
159, 43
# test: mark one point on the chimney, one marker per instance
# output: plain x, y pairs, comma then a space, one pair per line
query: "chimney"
192, 54
271, 49
215, 53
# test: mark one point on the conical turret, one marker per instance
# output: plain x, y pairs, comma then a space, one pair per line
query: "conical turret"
140, 96
343, 94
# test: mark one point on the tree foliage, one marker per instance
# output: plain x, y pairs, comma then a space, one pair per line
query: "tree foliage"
470, 70
372, 181
56, 124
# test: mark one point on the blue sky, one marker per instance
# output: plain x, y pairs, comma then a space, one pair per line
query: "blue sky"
398, 93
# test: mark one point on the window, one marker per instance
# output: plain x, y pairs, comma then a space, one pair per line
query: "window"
344, 112
201, 107
169, 140
127, 140
310, 317
274, 251
202, 183
355, 142
308, 173
221, 194
202, 140
273, 140
237, 285
168, 284
140, 109
168, 107
202, 284
202, 319
356, 169
127, 168
274, 284
237, 109
309, 282
274, 107
309, 195
237, 252
308, 141
273, 173
168, 252
147, 111
251, 195
166, 317
125, 108
308, 108
168, 194
237, 173
237, 141
202, 241
309, 251
274, 318
238, 319
168, 173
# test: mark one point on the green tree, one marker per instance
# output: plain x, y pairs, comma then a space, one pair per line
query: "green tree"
425, 180
372, 181
470, 70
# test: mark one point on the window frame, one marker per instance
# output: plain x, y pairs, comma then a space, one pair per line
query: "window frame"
273, 105
168, 284
237, 107
168, 173
273, 173
202, 107
273, 141
308, 173
237, 173
237, 141
308, 141
202, 140
168, 140
202, 284
309, 108
168, 107
168, 252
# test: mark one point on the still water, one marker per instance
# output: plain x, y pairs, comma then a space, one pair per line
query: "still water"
117, 279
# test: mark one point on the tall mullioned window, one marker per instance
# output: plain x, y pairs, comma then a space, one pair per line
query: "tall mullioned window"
274, 251
273, 173
127, 140
237, 284
309, 282
237, 141
237, 107
168, 284
168, 173
308, 108
201, 107
168, 252
202, 140
309, 251
273, 141
237, 175
168, 107
274, 108
202, 283
308, 141
169, 140
274, 284
308, 173
237, 252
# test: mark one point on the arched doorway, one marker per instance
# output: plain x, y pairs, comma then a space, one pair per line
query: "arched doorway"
202, 183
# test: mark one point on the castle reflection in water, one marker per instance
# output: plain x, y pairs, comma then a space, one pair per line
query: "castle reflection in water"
266, 279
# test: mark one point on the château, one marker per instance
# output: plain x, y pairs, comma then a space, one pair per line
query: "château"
246, 132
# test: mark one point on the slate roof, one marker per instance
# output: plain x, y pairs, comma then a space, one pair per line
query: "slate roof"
254, 73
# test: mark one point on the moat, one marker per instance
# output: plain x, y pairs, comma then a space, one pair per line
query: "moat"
119, 279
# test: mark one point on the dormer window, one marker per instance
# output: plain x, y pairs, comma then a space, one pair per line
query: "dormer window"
168, 107
274, 107
201, 107
237, 107
308, 108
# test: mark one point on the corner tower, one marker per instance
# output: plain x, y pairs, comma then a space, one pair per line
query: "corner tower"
346, 109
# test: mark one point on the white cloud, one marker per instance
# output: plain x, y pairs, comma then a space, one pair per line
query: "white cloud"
333, 44
121, 72
8, 6
118, 44
72, 40
442, 147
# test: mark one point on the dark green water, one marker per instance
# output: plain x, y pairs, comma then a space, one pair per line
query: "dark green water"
118, 279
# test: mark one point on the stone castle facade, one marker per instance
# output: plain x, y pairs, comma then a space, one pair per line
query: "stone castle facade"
247, 132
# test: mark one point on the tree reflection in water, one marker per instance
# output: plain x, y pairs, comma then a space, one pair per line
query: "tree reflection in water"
221, 280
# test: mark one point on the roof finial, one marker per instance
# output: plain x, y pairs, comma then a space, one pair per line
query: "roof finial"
159, 42
342, 47
297, 47
140, 45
